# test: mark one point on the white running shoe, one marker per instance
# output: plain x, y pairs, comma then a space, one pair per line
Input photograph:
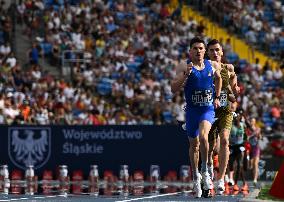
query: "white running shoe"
207, 182
227, 179
211, 172
231, 182
220, 187
197, 187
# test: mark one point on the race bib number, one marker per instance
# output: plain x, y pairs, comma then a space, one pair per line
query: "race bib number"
202, 98
223, 98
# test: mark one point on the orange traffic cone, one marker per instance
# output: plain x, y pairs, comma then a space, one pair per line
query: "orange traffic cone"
276, 189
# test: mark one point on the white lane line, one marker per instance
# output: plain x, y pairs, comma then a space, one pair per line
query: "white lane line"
39, 197
31, 198
155, 196
17, 199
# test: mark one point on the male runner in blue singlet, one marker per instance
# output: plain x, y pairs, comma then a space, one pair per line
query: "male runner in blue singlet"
196, 78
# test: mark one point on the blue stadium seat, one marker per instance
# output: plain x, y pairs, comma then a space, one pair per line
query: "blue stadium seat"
272, 23
46, 48
138, 76
261, 36
273, 84
138, 59
167, 116
268, 2
60, 2
115, 75
74, 2
119, 16
266, 119
232, 57
244, 29
111, 27
168, 97
133, 66
268, 15
129, 15
104, 89
281, 42
274, 48
226, 20
266, 115
243, 63
104, 86
48, 2
139, 5
144, 10
159, 76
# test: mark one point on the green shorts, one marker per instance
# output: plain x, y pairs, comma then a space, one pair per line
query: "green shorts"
224, 121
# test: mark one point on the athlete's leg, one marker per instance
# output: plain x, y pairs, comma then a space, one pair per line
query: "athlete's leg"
194, 144
232, 159
242, 172
239, 160
212, 147
255, 168
204, 128
224, 153
225, 128
194, 158
194, 155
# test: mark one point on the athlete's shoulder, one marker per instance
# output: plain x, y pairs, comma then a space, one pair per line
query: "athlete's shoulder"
181, 66
230, 67
212, 62
216, 66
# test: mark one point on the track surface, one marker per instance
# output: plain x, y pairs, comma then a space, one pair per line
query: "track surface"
173, 197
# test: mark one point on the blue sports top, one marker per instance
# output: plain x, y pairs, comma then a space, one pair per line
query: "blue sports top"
199, 87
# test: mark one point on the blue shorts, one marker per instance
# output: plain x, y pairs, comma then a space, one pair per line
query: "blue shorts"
194, 116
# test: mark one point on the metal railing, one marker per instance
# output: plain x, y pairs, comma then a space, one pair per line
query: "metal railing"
69, 58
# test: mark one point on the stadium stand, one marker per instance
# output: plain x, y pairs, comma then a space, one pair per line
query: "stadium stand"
259, 22
133, 48
122, 72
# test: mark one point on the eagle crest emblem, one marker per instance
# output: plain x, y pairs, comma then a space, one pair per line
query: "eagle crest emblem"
29, 146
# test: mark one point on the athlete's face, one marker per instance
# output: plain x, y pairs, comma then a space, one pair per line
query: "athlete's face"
253, 121
197, 51
215, 52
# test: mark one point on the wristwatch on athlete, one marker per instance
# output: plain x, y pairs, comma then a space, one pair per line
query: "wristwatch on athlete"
217, 97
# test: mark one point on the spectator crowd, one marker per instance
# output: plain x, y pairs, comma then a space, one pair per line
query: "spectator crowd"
124, 57
259, 22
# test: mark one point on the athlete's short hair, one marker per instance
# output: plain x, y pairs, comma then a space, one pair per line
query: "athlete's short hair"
196, 40
213, 42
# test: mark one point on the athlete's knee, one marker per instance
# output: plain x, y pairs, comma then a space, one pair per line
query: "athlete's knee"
194, 145
224, 139
194, 148
204, 128
203, 136
203, 140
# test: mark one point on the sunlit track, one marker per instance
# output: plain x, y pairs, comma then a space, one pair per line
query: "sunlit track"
231, 196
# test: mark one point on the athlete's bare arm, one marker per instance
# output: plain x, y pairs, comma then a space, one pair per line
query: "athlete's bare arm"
233, 80
182, 71
218, 81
